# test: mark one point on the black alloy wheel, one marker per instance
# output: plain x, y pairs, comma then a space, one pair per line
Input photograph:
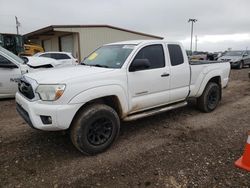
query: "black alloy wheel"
95, 128
213, 98
99, 131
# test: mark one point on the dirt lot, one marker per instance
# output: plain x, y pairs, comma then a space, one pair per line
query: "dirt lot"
182, 148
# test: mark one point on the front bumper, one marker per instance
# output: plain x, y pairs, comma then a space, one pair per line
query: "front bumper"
31, 111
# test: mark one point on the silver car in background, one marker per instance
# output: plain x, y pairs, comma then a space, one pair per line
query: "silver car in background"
237, 59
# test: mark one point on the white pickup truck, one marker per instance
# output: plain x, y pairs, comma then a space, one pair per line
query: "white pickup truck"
119, 81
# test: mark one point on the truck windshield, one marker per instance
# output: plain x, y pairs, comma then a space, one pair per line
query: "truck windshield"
11, 55
234, 53
111, 56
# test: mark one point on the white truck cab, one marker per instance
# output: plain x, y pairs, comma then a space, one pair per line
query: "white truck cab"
11, 69
120, 81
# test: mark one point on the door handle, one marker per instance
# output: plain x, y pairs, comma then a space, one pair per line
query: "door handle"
165, 74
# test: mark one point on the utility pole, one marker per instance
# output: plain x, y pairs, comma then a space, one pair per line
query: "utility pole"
196, 41
17, 25
192, 30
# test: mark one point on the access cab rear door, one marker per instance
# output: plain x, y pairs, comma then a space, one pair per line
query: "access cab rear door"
180, 72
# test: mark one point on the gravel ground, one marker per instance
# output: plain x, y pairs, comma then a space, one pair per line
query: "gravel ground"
181, 148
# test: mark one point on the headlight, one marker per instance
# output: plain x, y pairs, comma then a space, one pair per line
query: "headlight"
50, 92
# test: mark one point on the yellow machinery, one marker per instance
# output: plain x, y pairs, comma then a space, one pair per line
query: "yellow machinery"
31, 49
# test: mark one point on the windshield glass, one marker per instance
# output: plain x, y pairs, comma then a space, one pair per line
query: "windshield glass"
11, 55
234, 53
111, 56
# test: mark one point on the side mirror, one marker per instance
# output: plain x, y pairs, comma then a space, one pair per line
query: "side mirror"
8, 66
139, 64
25, 59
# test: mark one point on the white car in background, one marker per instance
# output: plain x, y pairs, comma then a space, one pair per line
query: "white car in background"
65, 58
13, 67
42, 63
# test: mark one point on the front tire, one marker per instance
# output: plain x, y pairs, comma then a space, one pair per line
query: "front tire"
240, 65
210, 97
95, 128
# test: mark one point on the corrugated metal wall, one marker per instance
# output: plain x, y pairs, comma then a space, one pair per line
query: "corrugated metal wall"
92, 38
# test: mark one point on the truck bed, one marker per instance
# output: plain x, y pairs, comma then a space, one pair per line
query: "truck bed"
201, 62
199, 71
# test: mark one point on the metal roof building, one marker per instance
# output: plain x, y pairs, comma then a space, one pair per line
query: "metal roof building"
81, 40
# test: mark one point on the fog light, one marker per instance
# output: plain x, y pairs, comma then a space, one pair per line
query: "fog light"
46, 120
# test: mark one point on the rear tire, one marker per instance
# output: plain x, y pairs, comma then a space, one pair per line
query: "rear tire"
210, 97
241, 65
95, 128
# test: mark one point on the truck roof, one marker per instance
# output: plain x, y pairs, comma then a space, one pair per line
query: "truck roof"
137, 42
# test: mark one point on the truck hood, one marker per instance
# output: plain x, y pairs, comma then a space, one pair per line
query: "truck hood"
230, 58
66, 74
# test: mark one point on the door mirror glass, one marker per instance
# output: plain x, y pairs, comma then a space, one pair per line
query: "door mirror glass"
139, 64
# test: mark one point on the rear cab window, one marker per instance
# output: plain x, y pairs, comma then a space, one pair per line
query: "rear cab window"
176, 55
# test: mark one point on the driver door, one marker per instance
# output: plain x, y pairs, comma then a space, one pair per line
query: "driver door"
9, 76
149, 87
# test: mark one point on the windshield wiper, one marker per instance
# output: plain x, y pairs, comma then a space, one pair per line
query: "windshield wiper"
83, 64
98, 65
95, 65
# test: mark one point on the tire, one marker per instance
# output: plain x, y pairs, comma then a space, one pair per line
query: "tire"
240, 65
210, 97
95, 128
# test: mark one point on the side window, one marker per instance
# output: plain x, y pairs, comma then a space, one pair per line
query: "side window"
4, 61
45, 55
59, 56
176, 56
155, 55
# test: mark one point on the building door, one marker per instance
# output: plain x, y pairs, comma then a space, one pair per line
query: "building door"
67, 44
47, 45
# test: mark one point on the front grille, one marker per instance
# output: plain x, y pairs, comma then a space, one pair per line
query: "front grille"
26, 89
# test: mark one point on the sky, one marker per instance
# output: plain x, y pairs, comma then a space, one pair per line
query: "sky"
221, 24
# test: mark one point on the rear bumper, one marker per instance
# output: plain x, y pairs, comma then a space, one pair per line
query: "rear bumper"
31, 112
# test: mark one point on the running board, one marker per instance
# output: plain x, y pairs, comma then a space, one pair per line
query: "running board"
154, 111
